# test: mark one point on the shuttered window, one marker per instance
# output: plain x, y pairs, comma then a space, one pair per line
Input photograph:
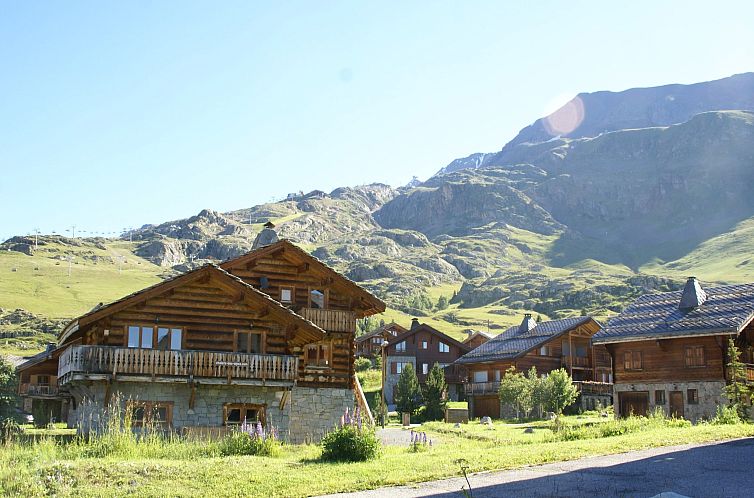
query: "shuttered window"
695, 356
632, 360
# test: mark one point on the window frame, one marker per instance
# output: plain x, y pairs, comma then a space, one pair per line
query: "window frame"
149, 410
662, 398
155, 328
693, 360
441, 345
262, 341
400, 347
292, 291
425, 368
630, 358
244, 407
326, 357
692, 399
324, 298
424, 344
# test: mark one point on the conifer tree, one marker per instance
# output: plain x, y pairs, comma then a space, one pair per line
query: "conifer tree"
407, 391
737, 391
435, 393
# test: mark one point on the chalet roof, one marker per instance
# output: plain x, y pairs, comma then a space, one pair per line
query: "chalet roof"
38, 358
379, 331
726, 309
476, 333
373, 303
426, 328
99, 312
519, 339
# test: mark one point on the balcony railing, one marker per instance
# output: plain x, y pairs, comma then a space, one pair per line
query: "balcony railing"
477, 388
594, 388
38, 390
116, 361
576, 361
455, 374
330, 320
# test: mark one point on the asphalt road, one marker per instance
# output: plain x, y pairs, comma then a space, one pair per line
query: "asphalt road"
723, 469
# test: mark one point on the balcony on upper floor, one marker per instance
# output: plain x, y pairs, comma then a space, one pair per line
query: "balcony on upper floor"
330, 320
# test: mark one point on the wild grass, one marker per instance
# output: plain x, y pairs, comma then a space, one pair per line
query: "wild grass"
171, 466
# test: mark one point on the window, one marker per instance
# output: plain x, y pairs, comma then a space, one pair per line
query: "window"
692, 396
236, 413
399, 366
581, 351
157, 413
659, 397
400, 347
317, 355
317, 299
481, 376
632, 360
286, 295
424, 344
425, 368
147, 337
444, 348
496, 373
249, 342
545, 351
695, 356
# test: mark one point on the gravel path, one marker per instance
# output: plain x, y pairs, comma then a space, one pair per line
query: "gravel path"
721, 469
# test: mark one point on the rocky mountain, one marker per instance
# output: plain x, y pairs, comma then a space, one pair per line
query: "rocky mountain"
591, 114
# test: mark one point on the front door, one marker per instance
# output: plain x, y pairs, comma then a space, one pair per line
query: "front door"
676, 404
633, 403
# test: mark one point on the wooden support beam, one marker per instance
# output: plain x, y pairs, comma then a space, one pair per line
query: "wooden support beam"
302, 268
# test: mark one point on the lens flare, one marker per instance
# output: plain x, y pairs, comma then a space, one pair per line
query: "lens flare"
566, 119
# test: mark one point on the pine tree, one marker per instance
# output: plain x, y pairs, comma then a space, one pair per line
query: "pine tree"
434, 393
737, 391
407, 391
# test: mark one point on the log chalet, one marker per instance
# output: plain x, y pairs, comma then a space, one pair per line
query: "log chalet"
268, 336
669, 349
369, 345
548, 346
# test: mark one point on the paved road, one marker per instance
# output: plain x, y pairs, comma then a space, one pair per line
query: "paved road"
711, 470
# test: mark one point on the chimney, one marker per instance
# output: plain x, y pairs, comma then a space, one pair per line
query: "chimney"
693, 295
414, 323
50, 347
267, 236
528, 323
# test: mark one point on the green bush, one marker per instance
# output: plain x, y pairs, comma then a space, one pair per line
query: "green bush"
362, 364
243, 443
350, 444
726, 415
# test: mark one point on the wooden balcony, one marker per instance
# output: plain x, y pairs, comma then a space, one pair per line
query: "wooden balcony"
107, 362
480, 388
38, 390
330, 320
455, 374
576, 361
594, 388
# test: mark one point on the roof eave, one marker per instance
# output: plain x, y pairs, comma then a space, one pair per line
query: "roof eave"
653, 337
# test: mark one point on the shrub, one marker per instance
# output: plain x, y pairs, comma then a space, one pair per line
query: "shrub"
353, 441
243, 443
726, 415
362, 364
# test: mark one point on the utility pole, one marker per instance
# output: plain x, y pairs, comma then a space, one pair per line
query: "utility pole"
70, 262
36, 236
72, 230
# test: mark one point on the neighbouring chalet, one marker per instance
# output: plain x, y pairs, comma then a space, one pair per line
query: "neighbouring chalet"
422, 346
369, 345
268, 336
548, 346
670, 349
476, 338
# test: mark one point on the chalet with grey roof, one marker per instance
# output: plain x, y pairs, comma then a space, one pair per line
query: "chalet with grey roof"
669, 349
267, 337
548, 346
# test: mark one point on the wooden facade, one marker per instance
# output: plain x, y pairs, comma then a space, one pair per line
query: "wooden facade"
426, 346
274, 317
370, 345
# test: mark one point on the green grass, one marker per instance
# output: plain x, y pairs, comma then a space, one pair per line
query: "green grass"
40, 283
191, 469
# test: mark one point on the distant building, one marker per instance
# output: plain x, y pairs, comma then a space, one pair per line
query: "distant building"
369, 345
548, 346
669, 349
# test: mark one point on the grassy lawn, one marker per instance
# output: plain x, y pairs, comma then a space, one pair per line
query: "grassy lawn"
190, 469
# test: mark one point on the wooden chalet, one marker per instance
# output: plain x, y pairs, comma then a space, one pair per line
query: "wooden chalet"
422, 346
548, 346
369, 345
669, 349
476, 338
267, 336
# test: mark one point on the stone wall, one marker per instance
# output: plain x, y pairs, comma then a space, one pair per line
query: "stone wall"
391, 379
710, 395
306, 415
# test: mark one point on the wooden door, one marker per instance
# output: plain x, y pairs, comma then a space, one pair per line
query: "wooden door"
486, 407
676, 404
636, 403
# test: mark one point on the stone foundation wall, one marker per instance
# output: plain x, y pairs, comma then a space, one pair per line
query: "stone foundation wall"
391, 379
306, 416
710, 394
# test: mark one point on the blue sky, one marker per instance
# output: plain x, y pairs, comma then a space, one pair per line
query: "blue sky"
115, 114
